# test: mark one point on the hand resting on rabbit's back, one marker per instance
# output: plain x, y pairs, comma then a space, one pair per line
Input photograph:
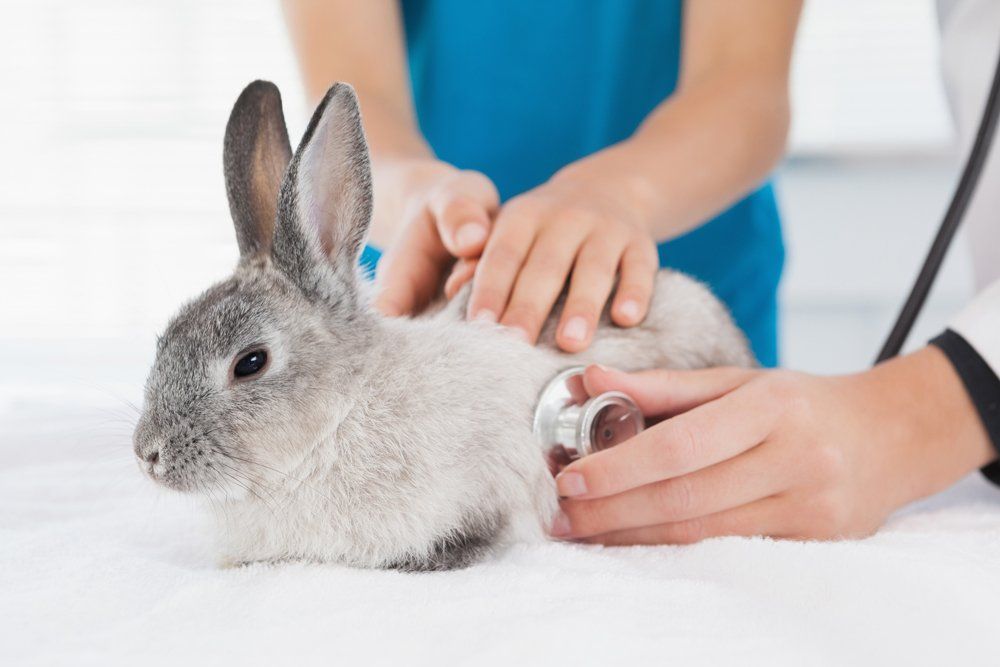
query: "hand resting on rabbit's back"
317, 429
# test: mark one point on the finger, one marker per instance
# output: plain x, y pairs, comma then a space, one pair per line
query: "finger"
732, 483
663, 392
765, 517
461, 273
710, 433
462, 207
592, 281
499, 265
541, 280
635, 285
409, 274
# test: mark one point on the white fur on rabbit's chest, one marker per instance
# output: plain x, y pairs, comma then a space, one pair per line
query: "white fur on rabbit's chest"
397, 513
444, 449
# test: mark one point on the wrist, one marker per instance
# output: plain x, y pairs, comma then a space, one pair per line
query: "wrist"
405, 174
612, 172
928, 427
401, 184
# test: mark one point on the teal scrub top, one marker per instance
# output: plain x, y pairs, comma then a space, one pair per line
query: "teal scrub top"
517, 89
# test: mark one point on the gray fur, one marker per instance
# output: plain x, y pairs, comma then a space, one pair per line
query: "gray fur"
455, 549
307, 247
371, 441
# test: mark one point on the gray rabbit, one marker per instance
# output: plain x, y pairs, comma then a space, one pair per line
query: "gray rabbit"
317, 429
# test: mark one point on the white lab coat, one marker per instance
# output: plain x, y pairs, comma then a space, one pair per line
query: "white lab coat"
970, 42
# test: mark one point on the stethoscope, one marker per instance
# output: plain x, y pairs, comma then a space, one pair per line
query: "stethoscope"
572, 424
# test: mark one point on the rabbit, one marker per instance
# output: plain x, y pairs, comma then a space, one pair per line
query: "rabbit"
317, 429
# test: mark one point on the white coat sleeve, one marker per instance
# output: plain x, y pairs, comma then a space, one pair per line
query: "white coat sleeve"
972, 345
979, 324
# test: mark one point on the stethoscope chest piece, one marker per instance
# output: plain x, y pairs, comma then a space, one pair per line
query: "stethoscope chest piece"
567, 417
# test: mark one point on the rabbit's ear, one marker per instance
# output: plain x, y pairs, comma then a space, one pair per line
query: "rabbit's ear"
325, 205
255, 156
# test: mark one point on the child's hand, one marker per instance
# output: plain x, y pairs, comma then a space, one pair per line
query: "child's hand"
577, 223
448, 215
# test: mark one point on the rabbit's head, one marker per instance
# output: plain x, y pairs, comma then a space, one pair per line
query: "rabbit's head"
252, 372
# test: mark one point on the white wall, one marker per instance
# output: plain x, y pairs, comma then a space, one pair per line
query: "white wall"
871, 169
865, 79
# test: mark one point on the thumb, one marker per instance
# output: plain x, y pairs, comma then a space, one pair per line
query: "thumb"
662, 392
410, 272
463, 207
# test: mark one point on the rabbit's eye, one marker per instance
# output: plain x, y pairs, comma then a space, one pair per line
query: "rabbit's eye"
251, 363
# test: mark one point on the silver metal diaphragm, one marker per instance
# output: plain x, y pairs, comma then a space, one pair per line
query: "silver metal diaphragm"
567, 417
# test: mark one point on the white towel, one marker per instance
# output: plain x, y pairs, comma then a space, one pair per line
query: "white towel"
97, 566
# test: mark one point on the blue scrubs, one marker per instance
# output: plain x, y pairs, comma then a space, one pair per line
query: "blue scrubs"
518, 89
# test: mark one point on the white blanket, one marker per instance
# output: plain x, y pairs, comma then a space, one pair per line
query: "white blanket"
99, 567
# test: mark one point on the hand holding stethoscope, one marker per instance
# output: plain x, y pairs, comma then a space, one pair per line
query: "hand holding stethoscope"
775, 453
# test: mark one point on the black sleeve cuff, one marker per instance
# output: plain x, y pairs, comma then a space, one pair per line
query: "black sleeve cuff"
982, 385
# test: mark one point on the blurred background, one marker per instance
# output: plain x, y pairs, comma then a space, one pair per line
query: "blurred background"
113, 211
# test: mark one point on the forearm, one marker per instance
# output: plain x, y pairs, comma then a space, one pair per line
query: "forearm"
723, 129
924, 423
698, 152
368, 53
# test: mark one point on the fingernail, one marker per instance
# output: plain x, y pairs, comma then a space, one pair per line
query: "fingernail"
560, 525
469, 234
575, 329
485, 315
571, 484
630, 310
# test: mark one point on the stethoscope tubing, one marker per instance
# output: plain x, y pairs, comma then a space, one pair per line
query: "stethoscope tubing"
960, 200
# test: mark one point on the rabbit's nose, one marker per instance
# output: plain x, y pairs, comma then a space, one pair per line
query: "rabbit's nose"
146, 449
148, 454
